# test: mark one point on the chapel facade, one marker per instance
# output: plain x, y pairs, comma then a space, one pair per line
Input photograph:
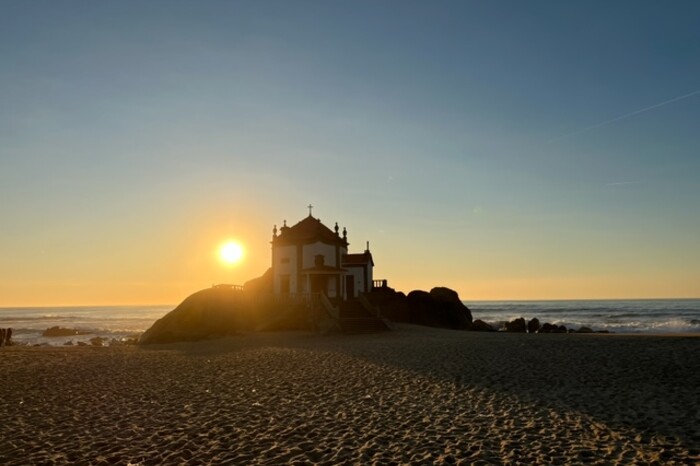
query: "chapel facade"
309, 257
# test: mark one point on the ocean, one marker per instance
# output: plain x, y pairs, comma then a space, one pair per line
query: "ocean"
109, 322
124, 322
619, 316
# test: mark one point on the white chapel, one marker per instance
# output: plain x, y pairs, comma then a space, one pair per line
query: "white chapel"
311, 258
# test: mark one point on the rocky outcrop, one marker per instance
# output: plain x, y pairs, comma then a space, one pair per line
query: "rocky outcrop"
547, 328
480, 326
448, 302
261, 285
57, 331
550, 328
211, 313
391, 304
441, 307
533, 325
516, 326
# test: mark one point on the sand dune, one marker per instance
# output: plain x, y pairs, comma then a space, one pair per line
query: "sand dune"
413, 396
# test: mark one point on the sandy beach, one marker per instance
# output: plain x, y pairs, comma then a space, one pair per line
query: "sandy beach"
412, 396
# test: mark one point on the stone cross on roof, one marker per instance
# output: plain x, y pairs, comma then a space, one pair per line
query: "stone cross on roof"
310, 208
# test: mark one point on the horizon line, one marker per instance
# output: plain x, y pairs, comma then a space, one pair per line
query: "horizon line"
25, 306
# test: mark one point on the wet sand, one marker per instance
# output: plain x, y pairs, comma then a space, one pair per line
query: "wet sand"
411, 396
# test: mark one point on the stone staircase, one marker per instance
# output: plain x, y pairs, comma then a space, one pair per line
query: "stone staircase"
355, 319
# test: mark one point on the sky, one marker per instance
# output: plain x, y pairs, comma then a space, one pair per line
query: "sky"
505, 149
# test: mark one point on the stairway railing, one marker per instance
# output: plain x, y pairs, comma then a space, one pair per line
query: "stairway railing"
330, 309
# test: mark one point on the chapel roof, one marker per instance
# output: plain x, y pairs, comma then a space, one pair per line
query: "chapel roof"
308, 230
358, 258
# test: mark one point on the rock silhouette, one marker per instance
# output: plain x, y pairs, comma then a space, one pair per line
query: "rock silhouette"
211, 313
441, 307
480, 326
533, 325
57, 331
516, 326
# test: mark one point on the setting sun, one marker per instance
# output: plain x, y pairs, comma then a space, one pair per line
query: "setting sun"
231, 252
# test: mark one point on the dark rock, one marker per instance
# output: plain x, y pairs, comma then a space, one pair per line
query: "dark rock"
391, 304
439, 308
57, 331
533, 325
480, 326
206, 314
549, 328
450, 297
545, 328
454, 309
261, 285
128, 341
97, 341
516, 326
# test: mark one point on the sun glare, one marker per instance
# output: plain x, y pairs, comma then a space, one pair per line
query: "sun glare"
231, 253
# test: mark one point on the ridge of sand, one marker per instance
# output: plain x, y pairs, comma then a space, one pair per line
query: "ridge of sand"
412, 396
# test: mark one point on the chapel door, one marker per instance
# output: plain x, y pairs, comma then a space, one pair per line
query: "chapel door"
318, 284
284, 284
350, 286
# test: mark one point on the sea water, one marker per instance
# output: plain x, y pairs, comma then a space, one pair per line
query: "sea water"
123, 322
620, 316
108, 322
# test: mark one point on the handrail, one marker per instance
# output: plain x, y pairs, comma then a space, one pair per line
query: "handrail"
332, 311
228, 287
383, 283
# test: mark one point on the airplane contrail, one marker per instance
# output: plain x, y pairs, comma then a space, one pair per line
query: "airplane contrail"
622, 117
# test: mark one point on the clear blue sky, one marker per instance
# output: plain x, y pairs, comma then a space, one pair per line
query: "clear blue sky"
505, 149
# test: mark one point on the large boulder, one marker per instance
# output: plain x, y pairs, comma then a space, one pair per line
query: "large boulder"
533, 325
391, 303
480, 326
441, 307
547, 328
516, 326
212, 313
259, 286
453, 308
551, 328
